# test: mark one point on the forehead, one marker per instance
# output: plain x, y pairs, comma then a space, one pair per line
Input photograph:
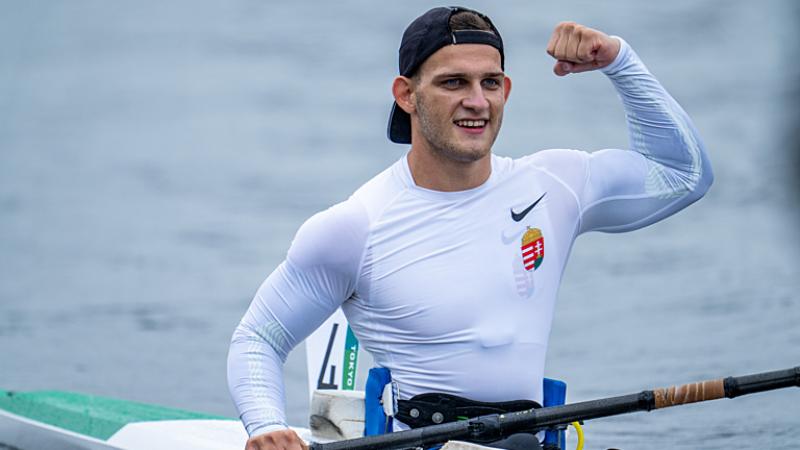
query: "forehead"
462, 58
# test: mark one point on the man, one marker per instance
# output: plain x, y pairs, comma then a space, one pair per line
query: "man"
447, 264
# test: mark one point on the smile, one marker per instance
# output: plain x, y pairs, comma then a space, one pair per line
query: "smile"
480, 123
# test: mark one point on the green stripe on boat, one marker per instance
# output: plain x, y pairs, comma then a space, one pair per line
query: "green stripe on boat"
90, 415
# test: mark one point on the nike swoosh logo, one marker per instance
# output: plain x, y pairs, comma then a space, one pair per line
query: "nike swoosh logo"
507, 239
521, 215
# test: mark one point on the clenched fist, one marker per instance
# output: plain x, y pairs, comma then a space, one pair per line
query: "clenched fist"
579, 49
276, 440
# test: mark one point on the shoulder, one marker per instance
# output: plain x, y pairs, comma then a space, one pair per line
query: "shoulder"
333, 237
567, 166
556, 159
381, 191
337, 236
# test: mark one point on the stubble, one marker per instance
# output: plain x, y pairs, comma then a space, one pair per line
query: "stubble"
435, 132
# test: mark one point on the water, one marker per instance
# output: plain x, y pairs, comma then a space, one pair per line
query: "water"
156, 159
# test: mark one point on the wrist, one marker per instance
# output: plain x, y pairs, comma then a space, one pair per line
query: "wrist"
619, 60
268, 428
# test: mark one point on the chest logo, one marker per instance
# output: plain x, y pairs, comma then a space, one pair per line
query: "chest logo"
516, 217
532, 248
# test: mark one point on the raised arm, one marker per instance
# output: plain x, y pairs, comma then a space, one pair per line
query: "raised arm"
666, 168
318, 274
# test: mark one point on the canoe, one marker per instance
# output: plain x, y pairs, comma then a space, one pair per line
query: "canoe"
67, 420
72, 421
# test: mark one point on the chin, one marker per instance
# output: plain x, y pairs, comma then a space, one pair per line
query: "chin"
456, 147
464, 154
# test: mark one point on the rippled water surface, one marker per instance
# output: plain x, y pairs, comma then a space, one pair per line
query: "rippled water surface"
157, 157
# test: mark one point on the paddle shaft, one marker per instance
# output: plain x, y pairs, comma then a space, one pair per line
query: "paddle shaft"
497, 425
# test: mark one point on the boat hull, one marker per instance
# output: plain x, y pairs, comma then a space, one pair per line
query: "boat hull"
70, 421
22, 433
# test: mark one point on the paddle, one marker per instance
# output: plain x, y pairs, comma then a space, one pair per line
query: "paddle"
491, 426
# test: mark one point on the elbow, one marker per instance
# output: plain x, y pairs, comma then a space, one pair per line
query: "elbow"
258, 339
242, 333
702, 182
706, 180
706, 177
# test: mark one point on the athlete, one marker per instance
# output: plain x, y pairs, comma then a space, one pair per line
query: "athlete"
447, 263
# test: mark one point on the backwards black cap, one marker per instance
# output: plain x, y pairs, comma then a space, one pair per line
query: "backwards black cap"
423, 37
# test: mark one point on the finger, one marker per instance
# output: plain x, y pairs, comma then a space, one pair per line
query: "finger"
561, 45
573, 41
551, 44
587, 49
290, 441
562, 68
561, 33
584, 67
295, 442
297, 445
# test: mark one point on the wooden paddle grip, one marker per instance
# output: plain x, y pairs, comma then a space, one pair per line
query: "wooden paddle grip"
689, 393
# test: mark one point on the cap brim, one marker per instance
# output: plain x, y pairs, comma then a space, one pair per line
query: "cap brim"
399, 130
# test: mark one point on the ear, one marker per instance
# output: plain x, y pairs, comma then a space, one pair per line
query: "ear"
506, 87
403, 91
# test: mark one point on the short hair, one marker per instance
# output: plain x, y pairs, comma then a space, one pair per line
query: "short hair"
469, 20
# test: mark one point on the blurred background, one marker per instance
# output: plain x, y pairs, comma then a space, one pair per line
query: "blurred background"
156, 159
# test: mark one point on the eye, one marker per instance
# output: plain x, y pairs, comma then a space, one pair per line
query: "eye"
452, 83
491, 83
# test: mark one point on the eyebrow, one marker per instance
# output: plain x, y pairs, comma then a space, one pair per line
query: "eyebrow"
466, 75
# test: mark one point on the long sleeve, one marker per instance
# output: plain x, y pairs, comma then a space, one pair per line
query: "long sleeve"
666, 168
319, 273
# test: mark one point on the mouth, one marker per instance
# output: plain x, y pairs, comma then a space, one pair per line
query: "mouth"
472, 126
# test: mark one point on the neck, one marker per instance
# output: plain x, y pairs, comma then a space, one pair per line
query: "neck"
431, 170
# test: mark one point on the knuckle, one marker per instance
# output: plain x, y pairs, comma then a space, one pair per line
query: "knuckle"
253, 444
565, 27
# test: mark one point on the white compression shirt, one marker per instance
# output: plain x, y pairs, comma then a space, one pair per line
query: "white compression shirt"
454, 291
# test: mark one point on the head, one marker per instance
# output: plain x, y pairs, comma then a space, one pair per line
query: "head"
451, 91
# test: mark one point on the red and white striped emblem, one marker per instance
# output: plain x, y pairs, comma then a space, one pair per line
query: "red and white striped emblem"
532, 249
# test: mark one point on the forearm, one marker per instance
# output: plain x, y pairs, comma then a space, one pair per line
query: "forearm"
660, 130
666, 168
287, 307
259, 347
255, 381
317, 276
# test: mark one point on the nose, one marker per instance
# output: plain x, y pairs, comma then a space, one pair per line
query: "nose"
476, 98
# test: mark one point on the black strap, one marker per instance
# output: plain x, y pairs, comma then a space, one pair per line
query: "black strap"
477, 37
435, 408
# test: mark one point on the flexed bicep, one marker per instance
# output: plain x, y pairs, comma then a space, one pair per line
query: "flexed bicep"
666, 167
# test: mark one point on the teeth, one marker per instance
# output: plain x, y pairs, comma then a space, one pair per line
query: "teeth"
471, 123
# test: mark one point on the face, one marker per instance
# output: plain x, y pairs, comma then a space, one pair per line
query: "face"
458, 96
